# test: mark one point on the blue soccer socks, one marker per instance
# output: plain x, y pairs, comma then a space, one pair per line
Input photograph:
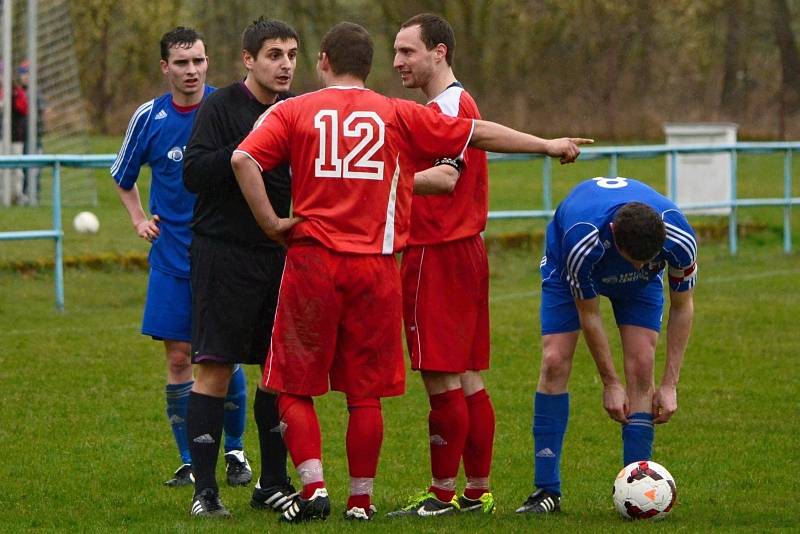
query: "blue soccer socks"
235, 410
550, 417
637, 438
177, 396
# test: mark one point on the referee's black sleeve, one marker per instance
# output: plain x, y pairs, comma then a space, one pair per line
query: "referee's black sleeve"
207, 159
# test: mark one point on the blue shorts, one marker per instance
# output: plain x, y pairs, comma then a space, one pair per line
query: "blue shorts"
558, 313
168, 308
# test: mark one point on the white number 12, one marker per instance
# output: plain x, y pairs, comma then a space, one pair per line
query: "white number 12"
366, 125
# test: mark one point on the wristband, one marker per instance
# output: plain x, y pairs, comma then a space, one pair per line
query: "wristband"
456, 164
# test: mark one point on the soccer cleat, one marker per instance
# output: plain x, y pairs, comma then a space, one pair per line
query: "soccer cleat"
277, 498
237, 469
207, 504
183, 477
485, 504
300, 510
541, 501
426, 505
359, 514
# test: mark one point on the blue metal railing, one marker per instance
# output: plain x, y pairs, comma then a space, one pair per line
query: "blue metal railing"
613, 154
56, 233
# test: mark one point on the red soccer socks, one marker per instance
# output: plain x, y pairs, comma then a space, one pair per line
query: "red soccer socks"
448, 423
479, 444
303, 440
364, 438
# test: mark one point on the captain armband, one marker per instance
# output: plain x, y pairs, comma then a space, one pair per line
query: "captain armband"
679, 276
455, 163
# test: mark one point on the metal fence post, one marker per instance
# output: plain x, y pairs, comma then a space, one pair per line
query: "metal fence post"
59, 263
733, 217
787, 195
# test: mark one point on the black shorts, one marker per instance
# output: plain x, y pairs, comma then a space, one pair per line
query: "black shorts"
234, 295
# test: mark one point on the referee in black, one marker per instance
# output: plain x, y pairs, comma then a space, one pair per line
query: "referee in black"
235, 269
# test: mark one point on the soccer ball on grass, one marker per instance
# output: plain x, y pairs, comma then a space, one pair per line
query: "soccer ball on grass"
86, 222
644, 490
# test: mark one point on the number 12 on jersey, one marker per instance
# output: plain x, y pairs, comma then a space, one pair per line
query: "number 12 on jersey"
367, 126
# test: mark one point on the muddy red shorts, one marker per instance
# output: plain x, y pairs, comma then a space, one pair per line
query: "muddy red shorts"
338, 319
446, 305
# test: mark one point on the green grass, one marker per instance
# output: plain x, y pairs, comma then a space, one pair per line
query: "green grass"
86, 444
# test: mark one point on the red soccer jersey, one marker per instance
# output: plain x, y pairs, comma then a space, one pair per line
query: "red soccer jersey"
350, 151
462, 213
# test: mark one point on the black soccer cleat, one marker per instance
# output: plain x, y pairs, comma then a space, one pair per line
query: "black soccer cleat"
276, 498
237, 469
541, 501
484, 504
426, 505
207, 504
318, 507
183, 477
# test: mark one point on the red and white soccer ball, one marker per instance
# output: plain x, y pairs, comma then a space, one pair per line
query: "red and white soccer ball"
644, 490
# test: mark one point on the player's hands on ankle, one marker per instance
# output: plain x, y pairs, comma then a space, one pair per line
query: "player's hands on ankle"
665, 403
615, 401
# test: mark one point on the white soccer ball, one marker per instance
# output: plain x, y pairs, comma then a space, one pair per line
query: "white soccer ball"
86, 222
644, 490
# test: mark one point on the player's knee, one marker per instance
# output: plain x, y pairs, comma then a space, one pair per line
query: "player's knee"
555, 369
471, 382
178, 362
213, 379
436, 382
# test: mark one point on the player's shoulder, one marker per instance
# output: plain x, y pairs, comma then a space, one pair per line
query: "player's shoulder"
454, 101
215, 95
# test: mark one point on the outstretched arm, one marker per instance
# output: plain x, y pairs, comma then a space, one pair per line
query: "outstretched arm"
615, 399
495, 137
681, 313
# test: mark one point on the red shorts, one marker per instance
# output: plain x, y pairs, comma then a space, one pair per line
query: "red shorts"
446, 305
338, 318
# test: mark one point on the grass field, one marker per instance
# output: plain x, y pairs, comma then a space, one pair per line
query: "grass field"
85, 442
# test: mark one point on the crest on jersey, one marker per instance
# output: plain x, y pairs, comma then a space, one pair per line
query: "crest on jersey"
175, 153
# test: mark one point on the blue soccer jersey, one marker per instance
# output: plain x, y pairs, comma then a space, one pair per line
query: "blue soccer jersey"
157, 135
580, 245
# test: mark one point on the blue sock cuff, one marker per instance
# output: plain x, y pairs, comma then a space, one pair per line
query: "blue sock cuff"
179, 390
641, 419
552, 405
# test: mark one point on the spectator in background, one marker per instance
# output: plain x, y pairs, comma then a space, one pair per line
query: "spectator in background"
19, 120
30, 182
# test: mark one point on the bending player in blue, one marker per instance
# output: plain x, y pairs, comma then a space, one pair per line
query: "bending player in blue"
157, 135
612, 237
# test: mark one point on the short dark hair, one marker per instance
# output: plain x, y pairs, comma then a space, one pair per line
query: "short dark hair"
433, 30
349, 49
261, 30
181, 36
639, 231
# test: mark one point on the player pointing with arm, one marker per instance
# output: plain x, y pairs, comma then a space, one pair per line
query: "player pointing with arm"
350, 151
612, 237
